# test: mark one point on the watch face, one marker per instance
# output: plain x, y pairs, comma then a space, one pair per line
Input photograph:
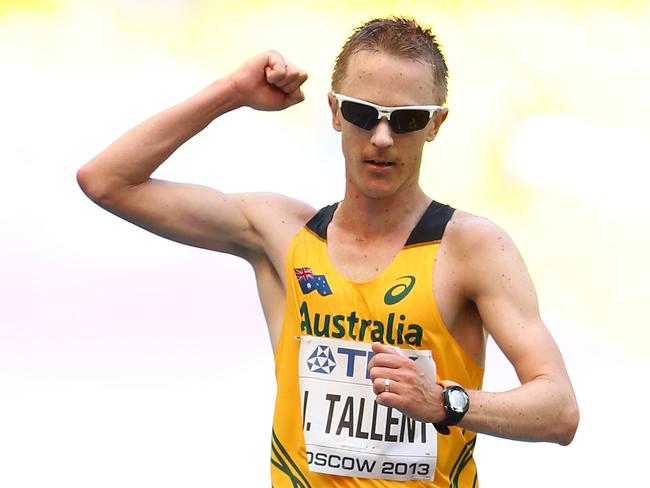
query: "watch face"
458, 400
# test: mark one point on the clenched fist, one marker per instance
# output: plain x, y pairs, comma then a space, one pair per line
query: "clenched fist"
268, 82
411, 390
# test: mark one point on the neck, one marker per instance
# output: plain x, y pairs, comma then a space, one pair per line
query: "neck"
375, 217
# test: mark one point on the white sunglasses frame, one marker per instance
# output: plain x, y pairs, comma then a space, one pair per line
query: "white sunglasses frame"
383, 111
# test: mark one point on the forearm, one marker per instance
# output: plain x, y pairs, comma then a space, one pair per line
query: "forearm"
540, 410
132, 158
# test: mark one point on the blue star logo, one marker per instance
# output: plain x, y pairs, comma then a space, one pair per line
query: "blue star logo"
321, 360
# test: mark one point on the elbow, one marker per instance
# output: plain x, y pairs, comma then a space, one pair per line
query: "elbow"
85, 181
91, 184
568, 424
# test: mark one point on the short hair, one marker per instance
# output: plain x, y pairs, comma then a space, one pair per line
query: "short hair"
398, 36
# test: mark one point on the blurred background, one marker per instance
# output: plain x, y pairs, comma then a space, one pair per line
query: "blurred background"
127, 360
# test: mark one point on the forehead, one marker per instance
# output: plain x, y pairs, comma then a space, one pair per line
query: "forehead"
389, 80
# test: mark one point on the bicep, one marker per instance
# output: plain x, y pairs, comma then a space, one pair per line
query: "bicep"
190, 214
505, 296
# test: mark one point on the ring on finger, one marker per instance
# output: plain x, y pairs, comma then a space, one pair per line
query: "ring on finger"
387, 385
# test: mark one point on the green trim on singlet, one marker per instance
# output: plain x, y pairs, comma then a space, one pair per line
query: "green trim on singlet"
463, 458
282, 455
282, 466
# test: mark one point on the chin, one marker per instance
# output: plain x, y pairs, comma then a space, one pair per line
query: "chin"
377, 192
377, 188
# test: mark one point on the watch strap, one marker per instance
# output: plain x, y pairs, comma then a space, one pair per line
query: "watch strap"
453, 417
442, 428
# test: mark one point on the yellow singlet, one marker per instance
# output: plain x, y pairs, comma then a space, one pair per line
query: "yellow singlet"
396, 308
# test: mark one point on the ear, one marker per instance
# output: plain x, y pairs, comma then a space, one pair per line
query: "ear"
438, 119
334, 107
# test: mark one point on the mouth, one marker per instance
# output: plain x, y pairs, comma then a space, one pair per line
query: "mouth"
380, 163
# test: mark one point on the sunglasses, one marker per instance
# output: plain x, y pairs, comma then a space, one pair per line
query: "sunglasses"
366, 115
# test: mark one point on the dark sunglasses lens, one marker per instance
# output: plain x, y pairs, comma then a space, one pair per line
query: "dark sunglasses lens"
402, 121
360, 115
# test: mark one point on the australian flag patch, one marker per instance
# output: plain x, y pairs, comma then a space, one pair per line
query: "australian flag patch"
309, 282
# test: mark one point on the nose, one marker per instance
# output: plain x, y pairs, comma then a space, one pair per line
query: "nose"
382, 134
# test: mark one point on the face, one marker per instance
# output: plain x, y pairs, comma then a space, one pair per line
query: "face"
380, 163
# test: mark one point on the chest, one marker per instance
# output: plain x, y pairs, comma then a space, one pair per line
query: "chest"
362, 260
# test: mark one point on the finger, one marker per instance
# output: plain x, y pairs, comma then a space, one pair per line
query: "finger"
388, 361
291, 75
379, 372
379, 386
295, 97
285, 80
378, 347
276, 67
389, 399
291, 83
298, 80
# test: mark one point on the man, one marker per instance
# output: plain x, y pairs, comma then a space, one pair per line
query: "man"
378, 307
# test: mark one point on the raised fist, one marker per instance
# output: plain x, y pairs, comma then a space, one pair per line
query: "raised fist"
268, 82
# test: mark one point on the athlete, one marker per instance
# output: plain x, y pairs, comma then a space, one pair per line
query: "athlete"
379, 305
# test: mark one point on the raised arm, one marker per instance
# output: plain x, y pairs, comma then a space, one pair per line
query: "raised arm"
119, 178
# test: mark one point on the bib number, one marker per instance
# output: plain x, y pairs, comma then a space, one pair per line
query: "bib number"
346, 432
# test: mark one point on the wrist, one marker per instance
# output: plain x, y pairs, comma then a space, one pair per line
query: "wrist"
232, 91
218, 98
455, 402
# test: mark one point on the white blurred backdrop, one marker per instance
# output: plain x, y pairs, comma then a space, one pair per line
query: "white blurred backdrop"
127, 360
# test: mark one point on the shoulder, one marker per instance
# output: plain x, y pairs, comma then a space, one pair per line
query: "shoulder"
276, 218
482, 252
467, 232
261, 207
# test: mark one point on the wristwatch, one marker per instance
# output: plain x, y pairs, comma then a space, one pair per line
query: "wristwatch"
456, 402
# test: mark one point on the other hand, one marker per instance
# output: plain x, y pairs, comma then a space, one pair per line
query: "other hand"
411, 391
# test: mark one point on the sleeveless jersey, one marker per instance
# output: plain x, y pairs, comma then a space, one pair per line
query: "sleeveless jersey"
397, 308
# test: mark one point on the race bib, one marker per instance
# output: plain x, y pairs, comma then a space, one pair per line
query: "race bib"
346, 432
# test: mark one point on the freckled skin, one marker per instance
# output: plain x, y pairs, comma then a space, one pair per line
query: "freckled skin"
382, 208
390, 81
